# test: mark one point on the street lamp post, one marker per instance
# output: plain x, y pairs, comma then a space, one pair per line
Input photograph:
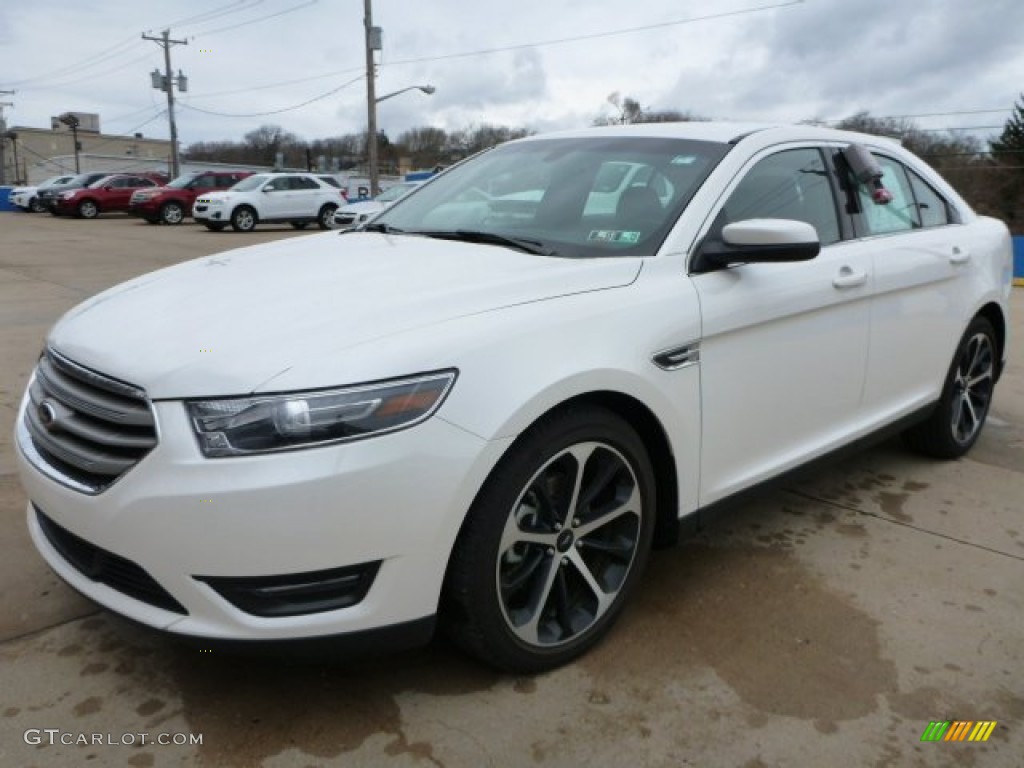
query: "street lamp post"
373, 43
71, 121
13, 136
372, 129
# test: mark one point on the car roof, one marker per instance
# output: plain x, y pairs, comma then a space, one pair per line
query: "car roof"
720, 132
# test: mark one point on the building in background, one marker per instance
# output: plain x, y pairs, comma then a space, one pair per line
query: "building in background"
34, 154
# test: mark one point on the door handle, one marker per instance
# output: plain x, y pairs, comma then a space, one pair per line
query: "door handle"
959, 256
849, 278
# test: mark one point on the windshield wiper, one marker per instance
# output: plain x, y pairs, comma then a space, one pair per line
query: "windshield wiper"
490, 238
384, 229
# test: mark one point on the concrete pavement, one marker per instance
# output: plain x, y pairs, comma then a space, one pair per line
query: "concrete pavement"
823, 621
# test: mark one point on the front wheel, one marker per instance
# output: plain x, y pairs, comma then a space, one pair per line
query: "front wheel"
243, 219
956, 422
172, 213
325, 216
553, 544
35, 206
87, 209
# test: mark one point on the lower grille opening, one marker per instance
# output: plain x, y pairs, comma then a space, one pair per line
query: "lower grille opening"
104, 567
296, 594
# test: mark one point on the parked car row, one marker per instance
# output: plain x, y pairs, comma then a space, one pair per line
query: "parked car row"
27, 198
216, 199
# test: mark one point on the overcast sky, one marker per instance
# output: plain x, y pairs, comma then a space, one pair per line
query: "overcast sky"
538, 64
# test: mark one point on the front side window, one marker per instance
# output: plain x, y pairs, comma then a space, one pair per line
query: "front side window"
250, 183
793, 184
571, 197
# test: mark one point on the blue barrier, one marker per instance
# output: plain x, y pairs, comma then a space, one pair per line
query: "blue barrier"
5, 203
1018, 260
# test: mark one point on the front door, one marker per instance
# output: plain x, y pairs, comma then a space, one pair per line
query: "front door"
784, 346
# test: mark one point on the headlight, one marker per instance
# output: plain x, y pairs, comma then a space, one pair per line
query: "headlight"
264, 423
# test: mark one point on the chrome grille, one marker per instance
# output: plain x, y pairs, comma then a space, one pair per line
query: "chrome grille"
86, 427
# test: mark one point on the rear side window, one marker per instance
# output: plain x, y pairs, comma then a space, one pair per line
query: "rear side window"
900, 214
304, 182
932, 208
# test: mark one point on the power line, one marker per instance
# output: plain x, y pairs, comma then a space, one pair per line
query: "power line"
276, 111
270, 86
505, 48
261, 18
598, 35
89, 61
56, 87
208, 16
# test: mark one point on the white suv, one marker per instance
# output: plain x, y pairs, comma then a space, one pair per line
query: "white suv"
297, 198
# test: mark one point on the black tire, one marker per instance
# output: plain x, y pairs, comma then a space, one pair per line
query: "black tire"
535, 581
35, 206
87, 209
172, 213
299, 224
243, 219
957, 421
215, 227
326, 215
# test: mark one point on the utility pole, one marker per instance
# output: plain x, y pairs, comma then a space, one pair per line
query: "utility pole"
168, 85
373, 43
3, 130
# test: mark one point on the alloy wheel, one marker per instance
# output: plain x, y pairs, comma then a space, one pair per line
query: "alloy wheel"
568, 544
972, 387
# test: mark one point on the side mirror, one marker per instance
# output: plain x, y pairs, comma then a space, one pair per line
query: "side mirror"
759, 240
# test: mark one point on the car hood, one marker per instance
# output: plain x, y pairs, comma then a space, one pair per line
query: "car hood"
367, 206
229, 323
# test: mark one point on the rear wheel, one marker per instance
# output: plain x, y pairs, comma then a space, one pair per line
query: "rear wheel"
956, 422
325, 216
553, 544
172, 213
87, 209
243, 219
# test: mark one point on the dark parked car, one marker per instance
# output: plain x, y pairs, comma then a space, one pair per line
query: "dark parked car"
110, 193
171, 204
48, 197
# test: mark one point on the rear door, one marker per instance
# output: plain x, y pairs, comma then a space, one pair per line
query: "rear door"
921, 261
784, 346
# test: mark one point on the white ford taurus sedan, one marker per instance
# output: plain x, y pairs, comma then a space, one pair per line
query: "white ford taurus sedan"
486, 408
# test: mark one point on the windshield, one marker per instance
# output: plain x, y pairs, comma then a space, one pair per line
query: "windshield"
251, 182
576, 197
393, 193
182, 181
100, 182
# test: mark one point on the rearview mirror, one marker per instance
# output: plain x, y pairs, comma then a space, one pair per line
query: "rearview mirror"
759, 240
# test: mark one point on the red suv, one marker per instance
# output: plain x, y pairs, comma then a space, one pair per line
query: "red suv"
173, 203
111, 193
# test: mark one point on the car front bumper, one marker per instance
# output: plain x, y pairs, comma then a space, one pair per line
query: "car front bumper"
391, 505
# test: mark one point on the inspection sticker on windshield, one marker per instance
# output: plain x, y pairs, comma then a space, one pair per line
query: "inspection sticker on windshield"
613, 236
